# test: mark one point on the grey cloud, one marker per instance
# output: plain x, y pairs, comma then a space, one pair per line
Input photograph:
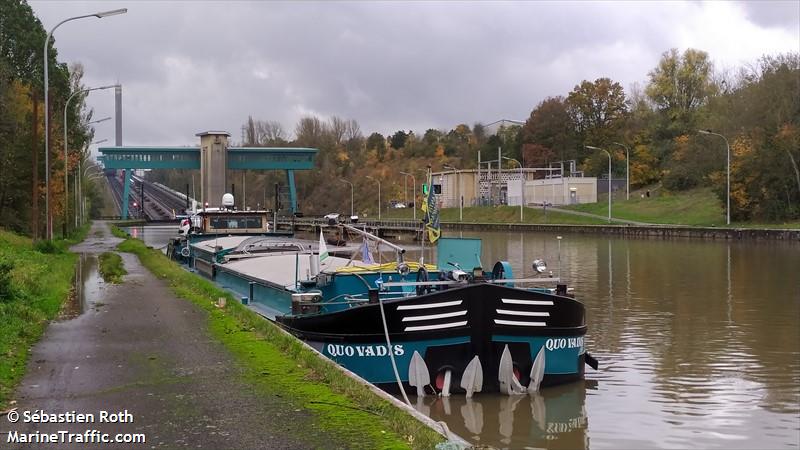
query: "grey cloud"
774, 13
188, 66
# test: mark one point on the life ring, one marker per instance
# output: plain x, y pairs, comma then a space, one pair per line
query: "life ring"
422, 277
501, 271
185, 252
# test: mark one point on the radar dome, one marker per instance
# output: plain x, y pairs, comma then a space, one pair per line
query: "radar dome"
227, 200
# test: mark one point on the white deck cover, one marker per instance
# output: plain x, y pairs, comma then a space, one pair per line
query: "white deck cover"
280, 268
224, 242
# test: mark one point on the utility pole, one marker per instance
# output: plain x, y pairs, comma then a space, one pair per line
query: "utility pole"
35, 158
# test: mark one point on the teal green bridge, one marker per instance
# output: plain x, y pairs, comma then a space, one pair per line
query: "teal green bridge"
213, 159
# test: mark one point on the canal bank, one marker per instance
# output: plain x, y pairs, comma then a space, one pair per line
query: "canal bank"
394, 229
660, 231
194, 374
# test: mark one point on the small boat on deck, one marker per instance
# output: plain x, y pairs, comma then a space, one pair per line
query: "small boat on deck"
444, 328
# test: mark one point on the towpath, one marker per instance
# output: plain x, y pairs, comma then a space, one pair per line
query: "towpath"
138, 348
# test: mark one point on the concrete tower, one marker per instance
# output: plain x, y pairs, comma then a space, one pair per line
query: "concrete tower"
213, 167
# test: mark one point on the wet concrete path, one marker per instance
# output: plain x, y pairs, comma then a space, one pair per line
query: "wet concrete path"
136, 347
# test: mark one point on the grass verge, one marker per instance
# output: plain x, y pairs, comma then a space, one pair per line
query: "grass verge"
34, 282
111, 267
116, 231
274, 362
697, 207
500, 214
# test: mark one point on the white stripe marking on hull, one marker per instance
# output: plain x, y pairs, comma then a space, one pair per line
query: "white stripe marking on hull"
519, 323
430, 305
436, 327
523, 313
435, 316
516, 301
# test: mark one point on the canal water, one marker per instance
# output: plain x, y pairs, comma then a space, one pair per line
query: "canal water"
698, 342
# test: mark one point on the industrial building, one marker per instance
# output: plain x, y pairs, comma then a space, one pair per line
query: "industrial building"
530, 186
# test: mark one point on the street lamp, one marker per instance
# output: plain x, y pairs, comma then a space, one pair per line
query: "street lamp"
627, 170
99, 15
522, 187
66, 156
86, 171
458, 192
379, 195
351, 195
609, 177
414, 190
728, 147
79, 197
98, 121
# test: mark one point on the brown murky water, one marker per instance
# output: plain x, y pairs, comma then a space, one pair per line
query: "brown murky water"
698, 342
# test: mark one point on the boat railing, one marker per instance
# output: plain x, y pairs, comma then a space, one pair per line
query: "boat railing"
542, 280
368, 235
266, 244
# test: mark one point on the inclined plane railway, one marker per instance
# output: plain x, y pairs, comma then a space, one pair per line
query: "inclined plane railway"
149, 200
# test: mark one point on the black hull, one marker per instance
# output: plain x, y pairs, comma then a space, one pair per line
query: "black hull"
450, 327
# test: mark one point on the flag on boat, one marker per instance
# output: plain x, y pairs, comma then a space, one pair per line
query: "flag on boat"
366, 256
431, 211
323, 249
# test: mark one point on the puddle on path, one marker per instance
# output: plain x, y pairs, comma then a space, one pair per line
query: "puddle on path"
87, 289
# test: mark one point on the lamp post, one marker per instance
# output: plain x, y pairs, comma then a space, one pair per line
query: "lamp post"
728, 148
458, 192
98, 121
414, 192
351, 195
405, 191
78, 192
609, 177
379, 195
522, 187
66, 156
79, 197
99, 15
627, 169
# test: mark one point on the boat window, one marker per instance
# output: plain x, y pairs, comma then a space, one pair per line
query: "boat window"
234, 222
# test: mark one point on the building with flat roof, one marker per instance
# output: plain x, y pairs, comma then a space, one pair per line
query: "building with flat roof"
505, 187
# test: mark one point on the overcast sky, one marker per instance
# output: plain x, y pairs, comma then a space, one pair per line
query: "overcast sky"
190, 66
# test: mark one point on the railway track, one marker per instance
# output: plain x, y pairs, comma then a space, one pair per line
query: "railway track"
160, 202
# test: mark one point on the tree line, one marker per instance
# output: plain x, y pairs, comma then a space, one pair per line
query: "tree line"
22, 159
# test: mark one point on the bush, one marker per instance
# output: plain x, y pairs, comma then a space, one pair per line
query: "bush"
6, 288
680, 179
47, 247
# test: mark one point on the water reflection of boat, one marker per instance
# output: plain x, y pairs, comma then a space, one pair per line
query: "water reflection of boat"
552, 418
